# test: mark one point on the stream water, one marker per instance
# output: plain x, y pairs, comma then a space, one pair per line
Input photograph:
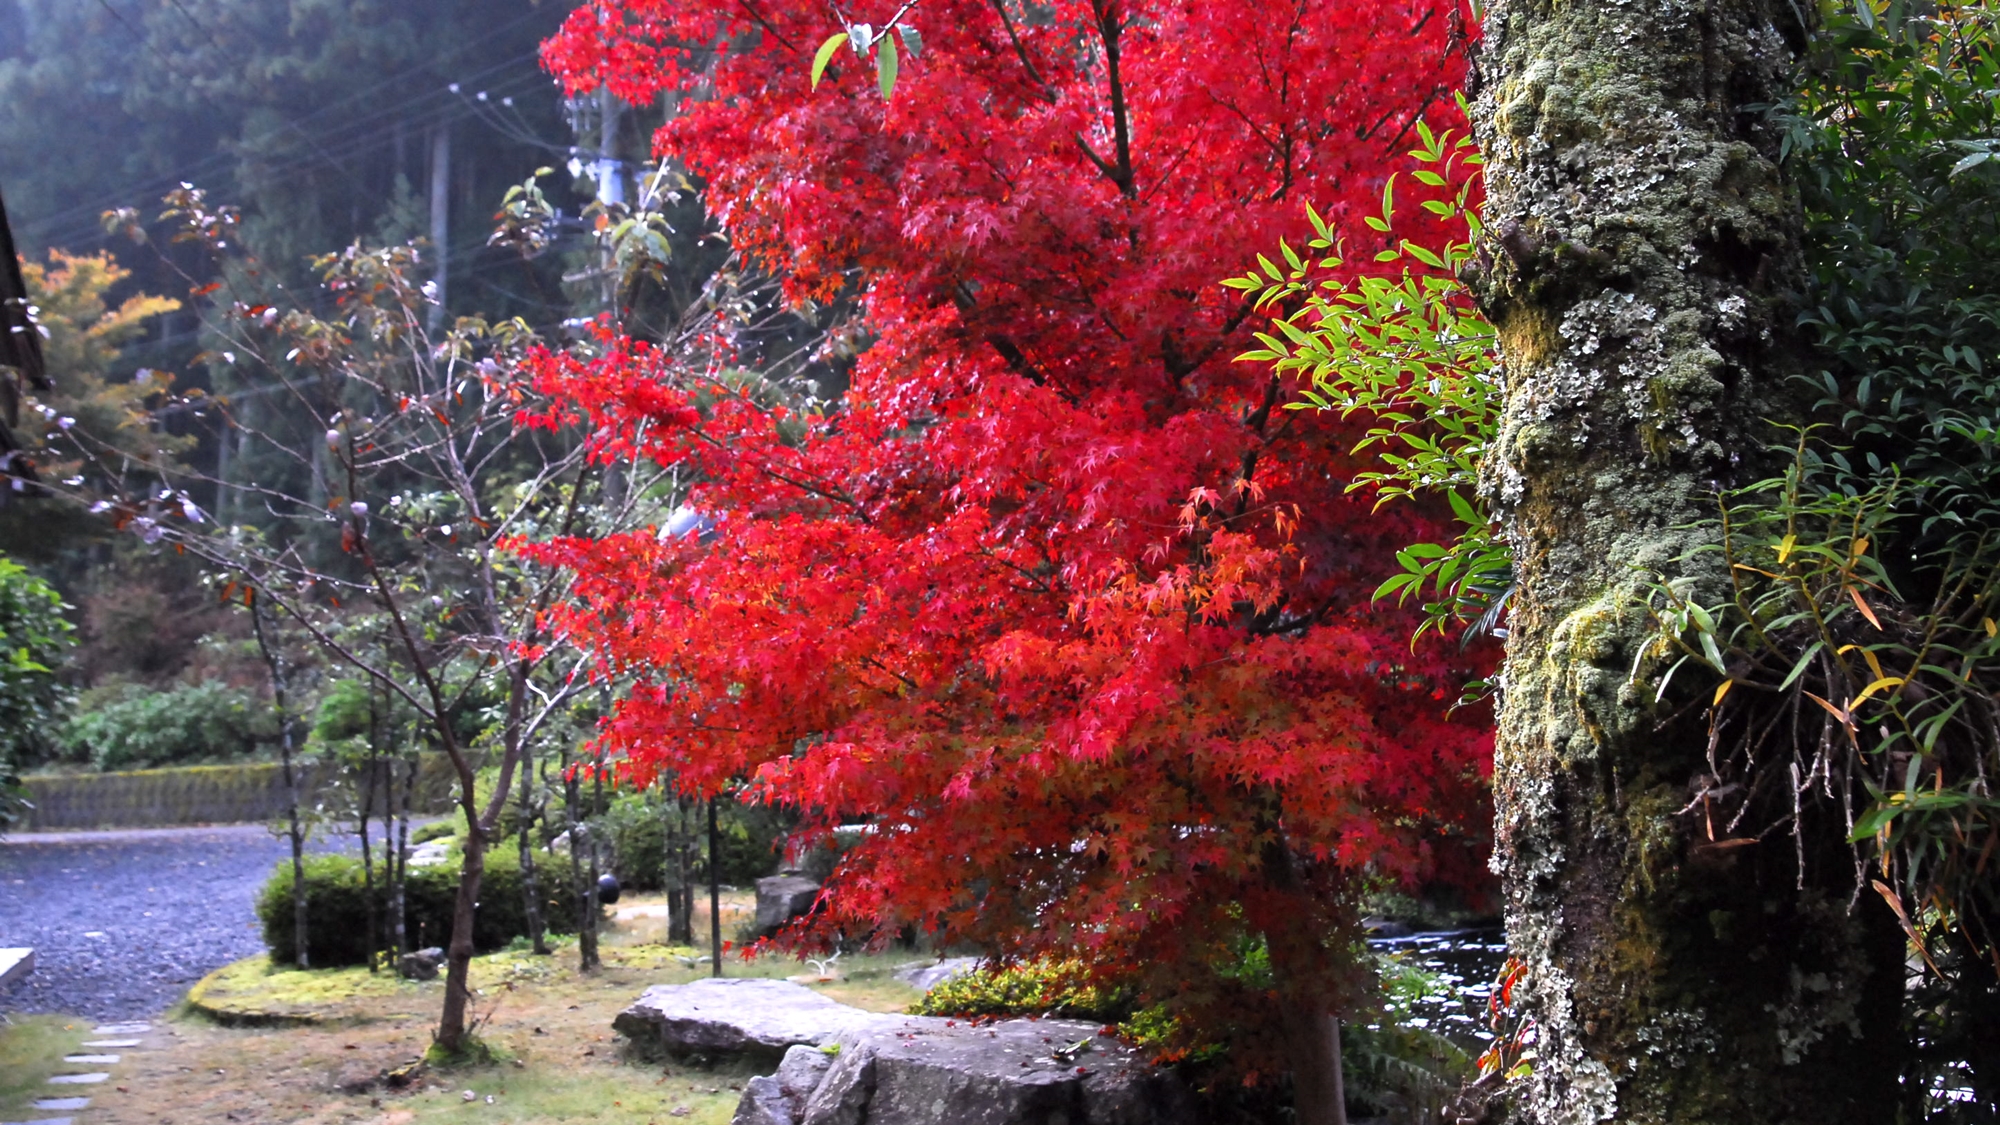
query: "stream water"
1463, 965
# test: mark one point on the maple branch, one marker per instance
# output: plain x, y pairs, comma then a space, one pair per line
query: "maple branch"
871, 662
1180, 366
758, 18
963, 297
1110, 28
1021, 51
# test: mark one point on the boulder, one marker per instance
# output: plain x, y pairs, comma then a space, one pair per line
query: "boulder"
926, 975
782, 898
799, 1074
843, 1066
763, 1104
420, 965
735, 1016
1016, 1072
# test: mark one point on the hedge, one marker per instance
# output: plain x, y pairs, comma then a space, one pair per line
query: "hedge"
337, 905
246, 791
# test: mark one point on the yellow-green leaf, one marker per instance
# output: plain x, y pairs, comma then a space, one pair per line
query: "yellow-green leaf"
833, 43
885, 66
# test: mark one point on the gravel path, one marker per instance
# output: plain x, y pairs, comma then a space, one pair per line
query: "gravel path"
123, 922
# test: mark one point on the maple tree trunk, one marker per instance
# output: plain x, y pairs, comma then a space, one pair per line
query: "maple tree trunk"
1643, 243
452, 1035
1312, 1036
370, 910
714, 895
530, 891
274, 660
586, 889
399, 863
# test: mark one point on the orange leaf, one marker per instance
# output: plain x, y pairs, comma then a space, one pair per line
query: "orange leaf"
1863, 607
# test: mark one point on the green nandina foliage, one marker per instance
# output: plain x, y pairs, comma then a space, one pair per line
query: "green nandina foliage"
1404, 346
337, 904
33, 640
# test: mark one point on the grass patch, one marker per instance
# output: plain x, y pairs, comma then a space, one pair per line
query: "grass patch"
32, 1049
553, 1056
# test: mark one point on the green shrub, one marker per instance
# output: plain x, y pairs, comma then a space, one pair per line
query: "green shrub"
435, 830
34, 638
337, 905
129, 726
634, 832
1034, 988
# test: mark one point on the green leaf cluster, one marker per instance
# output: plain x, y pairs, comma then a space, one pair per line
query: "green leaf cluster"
1402, 343
34, 638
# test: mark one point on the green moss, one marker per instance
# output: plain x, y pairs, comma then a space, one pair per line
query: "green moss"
32, 1049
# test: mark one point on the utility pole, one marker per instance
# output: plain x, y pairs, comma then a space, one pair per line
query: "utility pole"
440, 219
610, 169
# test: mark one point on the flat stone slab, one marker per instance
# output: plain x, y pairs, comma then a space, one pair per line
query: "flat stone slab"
111, 1042
60, 1103
92, 1060
15, 964
78, 1079
734, 1016
122, 1029
44, 1121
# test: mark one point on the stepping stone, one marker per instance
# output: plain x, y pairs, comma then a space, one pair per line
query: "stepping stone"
111, 1042
78, 1079
92, 1060
60, 1103
122, 1029
44, 1121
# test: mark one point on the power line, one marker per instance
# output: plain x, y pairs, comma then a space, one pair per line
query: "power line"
44, 226
82, 225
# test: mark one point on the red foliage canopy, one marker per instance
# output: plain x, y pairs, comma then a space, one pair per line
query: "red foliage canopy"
1058, 597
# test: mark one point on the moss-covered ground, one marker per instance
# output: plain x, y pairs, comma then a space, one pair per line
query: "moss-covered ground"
31, 1049
549, 1025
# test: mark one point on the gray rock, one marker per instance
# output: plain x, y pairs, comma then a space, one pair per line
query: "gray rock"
926, 975
799, 1074
430, 853
763, 1103
733, 1016
1018, 1072
782, 898
420, 965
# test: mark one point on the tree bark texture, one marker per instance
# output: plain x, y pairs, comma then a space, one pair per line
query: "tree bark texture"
1644, 244
452, 1028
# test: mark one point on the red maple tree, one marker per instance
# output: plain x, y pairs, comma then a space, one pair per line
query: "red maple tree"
1057, 597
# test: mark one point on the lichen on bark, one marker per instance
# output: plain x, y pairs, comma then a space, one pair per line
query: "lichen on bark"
1644, 242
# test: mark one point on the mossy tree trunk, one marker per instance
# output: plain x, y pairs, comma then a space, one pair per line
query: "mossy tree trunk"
1643, 245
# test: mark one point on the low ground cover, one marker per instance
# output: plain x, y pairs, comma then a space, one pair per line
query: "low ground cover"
550, 1027
31, 1049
